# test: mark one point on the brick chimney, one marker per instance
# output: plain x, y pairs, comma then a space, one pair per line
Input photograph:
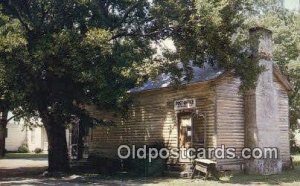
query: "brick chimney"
261, 42
261, 107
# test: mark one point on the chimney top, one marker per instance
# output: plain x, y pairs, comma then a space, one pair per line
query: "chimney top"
261, 42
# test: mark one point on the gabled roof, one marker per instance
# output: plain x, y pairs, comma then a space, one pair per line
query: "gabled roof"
206, 73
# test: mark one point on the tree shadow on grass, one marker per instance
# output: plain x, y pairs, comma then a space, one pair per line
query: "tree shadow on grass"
21, 172
33, 176
81, 180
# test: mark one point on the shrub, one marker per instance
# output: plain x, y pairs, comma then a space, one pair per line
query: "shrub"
23, 149
105, 165
38, 150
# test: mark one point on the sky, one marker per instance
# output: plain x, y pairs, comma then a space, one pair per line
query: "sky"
292, 4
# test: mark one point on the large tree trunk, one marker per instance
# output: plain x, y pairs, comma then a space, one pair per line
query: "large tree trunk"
3, 124
80, 141
58, 160
2, 139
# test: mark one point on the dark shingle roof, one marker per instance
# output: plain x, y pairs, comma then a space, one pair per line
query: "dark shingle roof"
206, 73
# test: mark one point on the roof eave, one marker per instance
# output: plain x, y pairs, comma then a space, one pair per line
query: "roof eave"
187, 84
282, 78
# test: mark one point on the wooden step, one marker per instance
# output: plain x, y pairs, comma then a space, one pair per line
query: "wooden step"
183, 170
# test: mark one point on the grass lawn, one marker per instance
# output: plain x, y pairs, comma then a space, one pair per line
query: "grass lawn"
290, 177
24, 155
287, 178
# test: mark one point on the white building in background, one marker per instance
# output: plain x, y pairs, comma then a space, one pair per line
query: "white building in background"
19, 134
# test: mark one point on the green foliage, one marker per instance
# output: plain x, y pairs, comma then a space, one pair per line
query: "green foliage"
38, 150
52, 56
294, 75
204, 32
285, 26
293, 145
23, 149
56, 56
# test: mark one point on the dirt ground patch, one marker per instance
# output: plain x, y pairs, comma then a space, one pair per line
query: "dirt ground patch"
22, 167
17, 163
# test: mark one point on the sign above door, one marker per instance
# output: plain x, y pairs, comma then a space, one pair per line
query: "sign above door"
182, 104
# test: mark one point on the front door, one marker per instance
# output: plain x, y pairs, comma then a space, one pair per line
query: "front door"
185, 131
185, 136
191, 133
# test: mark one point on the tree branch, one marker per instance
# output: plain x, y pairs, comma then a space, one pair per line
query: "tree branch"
138, 34
103, 7
44, 14
135, 34
128, 11
14, 116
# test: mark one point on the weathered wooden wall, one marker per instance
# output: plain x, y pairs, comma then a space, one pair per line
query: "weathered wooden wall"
152, 119
283, 119
230, 119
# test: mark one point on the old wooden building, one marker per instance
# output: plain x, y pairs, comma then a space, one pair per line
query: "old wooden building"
208, 111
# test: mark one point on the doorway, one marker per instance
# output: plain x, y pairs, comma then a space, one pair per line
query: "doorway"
185, 131
191, 133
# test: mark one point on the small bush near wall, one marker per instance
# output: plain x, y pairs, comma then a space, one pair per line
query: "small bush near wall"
105, 165
23, 148
38, 150
142, 167
295, 148
134, 167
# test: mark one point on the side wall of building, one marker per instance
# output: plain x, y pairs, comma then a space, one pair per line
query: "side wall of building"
230, 119
283, 120
152, 119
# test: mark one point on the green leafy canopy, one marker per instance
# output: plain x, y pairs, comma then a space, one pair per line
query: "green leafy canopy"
56, 55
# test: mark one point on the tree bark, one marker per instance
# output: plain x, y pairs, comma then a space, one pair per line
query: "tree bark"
3, 124
2, 140
58, 160
80, 141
